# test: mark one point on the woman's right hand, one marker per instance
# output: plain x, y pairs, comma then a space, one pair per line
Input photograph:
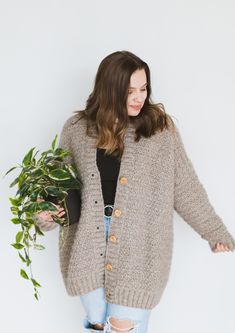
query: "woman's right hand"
44, 219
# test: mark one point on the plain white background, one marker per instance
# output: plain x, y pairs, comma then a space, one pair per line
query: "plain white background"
49, 54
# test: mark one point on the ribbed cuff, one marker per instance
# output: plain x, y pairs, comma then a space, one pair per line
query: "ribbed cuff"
226, 239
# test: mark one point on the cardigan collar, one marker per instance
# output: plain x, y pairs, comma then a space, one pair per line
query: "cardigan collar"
92, 175
128, 154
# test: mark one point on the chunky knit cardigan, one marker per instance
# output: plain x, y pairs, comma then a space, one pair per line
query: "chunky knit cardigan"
155, 177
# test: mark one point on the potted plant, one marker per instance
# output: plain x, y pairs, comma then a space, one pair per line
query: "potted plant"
42, 184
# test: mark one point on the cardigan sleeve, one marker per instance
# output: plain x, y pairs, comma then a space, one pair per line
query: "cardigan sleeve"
64, 141
191, 201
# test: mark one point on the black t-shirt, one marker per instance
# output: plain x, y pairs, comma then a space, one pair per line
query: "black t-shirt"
109, 167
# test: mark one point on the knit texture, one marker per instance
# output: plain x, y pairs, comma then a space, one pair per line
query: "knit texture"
160, 178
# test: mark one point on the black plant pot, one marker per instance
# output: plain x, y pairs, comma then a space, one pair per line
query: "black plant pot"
73, 203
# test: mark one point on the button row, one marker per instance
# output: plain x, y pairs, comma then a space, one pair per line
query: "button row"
112, 238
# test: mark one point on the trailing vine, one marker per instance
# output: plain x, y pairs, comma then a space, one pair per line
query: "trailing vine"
42, 184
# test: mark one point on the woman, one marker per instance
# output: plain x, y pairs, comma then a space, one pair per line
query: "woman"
135, 172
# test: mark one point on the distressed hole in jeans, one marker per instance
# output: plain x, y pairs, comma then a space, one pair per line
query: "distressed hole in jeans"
97, 326
94, 325
121, 325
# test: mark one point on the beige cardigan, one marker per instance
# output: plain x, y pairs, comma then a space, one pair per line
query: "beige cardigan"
135, 264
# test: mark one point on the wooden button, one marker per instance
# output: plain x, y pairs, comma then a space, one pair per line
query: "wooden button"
117, 212
123, 180
109, 267
113, 239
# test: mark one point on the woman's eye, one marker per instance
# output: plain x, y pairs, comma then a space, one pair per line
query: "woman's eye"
144, 89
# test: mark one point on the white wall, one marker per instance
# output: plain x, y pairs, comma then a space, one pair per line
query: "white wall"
50, 51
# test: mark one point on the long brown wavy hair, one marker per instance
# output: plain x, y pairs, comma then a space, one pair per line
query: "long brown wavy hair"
107, 102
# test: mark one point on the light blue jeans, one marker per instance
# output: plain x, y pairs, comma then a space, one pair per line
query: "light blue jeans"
98, 310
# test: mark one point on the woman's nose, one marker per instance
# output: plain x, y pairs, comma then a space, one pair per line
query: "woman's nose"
138, 97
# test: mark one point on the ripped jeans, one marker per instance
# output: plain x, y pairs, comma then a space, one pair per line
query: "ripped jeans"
99, 311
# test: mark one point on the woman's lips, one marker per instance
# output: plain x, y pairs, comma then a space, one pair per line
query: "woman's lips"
136, 107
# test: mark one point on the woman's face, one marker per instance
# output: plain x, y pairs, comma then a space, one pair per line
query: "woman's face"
137, 92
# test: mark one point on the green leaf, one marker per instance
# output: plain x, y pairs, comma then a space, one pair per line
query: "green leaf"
62, 152
22, 178
15, 181
13, 168
26, 254
54, 142
25, 223
27, 257
29, 219
19, 236
14, 210
23, 189
35, 283
39, 247
52, 190
18, 246
38, 230
71, 170
28, 157
30, 207
70, 184
24, 274
46, 205
33, 196
36, 296
49, 160
36, 173
21, 257
26, 243
15, 220
28, 262
29, 236
16, 201
35, 154
59, 174
62, 195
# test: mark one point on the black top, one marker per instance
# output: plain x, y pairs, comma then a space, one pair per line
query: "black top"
108, 166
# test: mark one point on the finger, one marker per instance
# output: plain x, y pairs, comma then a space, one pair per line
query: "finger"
59, 209
222, 247
217, 247
226, 248
61, 214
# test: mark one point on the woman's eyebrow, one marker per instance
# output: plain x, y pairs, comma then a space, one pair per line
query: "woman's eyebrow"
141, 87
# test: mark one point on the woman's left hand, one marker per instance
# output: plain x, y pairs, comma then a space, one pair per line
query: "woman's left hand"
220, 247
